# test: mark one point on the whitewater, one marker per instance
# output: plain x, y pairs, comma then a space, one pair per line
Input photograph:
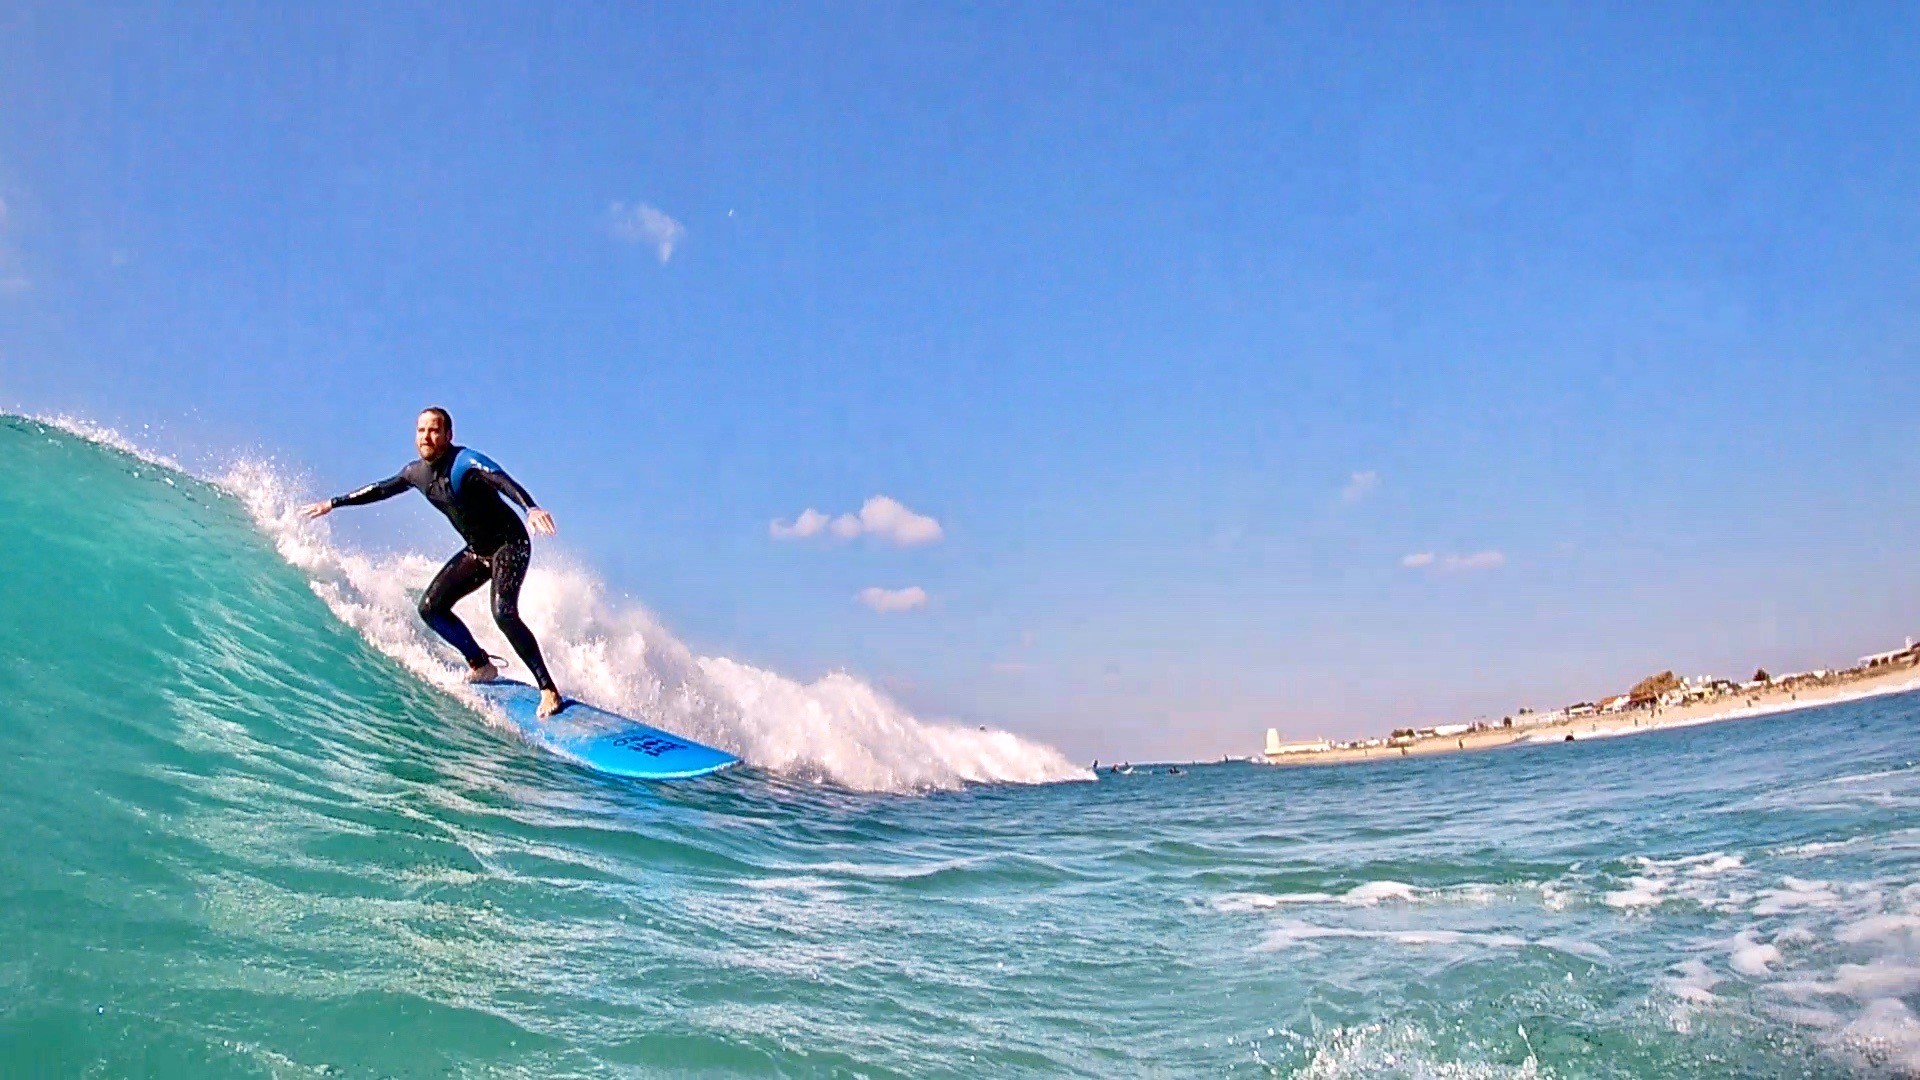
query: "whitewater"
252, 824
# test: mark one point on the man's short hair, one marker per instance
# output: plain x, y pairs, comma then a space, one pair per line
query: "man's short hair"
445, 416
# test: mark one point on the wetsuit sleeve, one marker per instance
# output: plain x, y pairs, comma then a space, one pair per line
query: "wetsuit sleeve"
497, 479
373, 493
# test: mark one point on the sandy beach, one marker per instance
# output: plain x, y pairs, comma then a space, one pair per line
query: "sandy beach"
1765, 701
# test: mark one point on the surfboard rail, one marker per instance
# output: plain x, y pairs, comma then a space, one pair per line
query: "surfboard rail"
603, 740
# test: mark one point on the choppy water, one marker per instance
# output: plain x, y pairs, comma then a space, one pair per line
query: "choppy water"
246, 829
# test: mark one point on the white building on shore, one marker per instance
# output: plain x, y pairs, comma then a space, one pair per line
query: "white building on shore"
1276, 748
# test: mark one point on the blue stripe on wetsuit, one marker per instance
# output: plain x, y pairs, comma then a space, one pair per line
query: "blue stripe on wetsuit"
469, 459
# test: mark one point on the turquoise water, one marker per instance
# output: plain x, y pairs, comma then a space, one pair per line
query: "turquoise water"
242, 837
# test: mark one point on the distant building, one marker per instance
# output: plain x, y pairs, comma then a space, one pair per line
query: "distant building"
1891, 656
1276, 748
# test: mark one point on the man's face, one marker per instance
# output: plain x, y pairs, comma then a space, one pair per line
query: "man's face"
430, 435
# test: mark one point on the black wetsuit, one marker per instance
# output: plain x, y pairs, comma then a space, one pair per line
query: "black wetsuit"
466, 486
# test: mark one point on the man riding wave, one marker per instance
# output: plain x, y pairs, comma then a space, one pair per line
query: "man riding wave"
467, 486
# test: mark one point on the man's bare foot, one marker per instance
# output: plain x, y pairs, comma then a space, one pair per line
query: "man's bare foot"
550, 703
483, 673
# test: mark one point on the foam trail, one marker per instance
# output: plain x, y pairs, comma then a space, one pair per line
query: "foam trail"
836, 730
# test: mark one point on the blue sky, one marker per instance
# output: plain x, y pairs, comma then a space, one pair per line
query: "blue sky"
1194, 330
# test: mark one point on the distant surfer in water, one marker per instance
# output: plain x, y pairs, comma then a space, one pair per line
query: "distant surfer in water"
466, 486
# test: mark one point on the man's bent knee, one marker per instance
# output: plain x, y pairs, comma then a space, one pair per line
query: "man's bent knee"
505, 610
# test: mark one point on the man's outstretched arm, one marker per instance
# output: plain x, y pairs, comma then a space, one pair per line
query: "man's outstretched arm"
372, 493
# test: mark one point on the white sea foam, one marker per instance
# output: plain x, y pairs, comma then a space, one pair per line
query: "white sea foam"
1876, 774
1361, 903
1838, 958
1815, 848
1365, 894
1795, 894
1750, 956
1691, 878
836, 730
1233, 903
1884, 1034
1693, 981
1375, 892
1289, 933
1399, 1050
1640, 892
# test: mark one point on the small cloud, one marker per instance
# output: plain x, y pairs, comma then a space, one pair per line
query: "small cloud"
1456, 564
643, 224
889, 520
1359, 486
809, 523
886, 601
880, 517
1479, 560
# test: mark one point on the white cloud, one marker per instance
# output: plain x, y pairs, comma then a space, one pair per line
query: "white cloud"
1456, 564
880, 517
889, 520
1479, 560
1359, 486
885, 601
809, 523
643, 224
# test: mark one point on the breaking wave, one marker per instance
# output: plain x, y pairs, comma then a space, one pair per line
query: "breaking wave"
613, 653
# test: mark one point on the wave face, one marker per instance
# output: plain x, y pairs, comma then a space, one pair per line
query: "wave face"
248, 828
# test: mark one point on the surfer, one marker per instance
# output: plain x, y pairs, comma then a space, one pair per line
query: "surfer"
466, 486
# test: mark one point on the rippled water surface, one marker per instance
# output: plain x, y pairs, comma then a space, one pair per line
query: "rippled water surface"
239, 839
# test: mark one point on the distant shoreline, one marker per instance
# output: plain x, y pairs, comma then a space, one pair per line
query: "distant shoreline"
1763, 701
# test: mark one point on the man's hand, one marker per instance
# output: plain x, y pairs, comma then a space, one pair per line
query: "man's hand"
541, 521
316, 510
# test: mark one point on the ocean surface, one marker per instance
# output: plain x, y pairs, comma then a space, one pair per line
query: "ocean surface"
251, 825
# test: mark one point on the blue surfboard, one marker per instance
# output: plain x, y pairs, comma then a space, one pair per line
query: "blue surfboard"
605, 741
